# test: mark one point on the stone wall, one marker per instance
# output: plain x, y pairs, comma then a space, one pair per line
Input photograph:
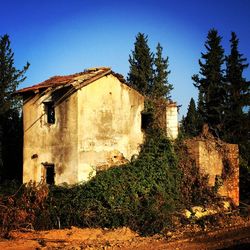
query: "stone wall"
220, 161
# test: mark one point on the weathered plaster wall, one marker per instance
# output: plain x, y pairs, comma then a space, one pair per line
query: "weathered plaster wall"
96, 127
172, 121
50, 143
219, 161
109, 124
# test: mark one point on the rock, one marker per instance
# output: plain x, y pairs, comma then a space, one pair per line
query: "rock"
199, 212
169, 234
187, 213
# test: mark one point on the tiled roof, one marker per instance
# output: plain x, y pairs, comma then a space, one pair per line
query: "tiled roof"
82, 78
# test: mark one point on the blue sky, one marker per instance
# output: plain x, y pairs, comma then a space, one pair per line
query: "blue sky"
61, 37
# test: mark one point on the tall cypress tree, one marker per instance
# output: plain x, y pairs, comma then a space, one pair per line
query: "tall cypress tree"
140, 75
237, 93
211, 82
161, 87
10, 78
191, 123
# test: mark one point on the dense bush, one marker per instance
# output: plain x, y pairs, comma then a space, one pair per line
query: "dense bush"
140, 195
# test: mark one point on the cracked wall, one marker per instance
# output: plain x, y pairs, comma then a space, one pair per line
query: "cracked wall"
96, 127
109, 121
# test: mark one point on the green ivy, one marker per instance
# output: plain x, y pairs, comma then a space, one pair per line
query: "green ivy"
141, 194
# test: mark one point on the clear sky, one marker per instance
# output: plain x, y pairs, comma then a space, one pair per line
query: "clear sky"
61, 37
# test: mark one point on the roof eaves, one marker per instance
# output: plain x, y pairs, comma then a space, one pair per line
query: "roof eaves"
87, 76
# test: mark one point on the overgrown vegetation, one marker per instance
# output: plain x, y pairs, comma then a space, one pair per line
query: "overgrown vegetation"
21, 208
142, 195
224, 102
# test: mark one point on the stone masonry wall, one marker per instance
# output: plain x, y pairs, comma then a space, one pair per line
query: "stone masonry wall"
220, 161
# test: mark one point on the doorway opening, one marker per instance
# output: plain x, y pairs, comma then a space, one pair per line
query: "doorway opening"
49, 174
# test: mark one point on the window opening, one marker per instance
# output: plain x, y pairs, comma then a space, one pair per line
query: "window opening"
146, 120
50, 110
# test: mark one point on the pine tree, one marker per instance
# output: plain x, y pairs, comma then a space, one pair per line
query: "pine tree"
140, 75
237, 93
211, 83
191, 122
10, 78
161, 87
238, 101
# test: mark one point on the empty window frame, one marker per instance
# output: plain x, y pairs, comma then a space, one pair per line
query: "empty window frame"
50, 112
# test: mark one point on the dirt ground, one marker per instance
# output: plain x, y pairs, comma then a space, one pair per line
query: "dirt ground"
235, 234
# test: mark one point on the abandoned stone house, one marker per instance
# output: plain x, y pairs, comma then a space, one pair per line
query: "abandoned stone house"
77, 124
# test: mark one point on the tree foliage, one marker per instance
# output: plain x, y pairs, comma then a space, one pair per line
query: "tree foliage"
192, 121
161, 87
237, 122
10, 78
210, 82
148, 71
223, 93
141, 65
238, 95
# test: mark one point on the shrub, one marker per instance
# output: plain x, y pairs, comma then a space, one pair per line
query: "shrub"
141, 194
22, 208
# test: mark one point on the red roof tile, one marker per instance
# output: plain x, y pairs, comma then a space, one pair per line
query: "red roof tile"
55, 81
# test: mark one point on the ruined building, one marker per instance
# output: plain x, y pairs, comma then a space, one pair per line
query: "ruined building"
219, 161
78, 124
